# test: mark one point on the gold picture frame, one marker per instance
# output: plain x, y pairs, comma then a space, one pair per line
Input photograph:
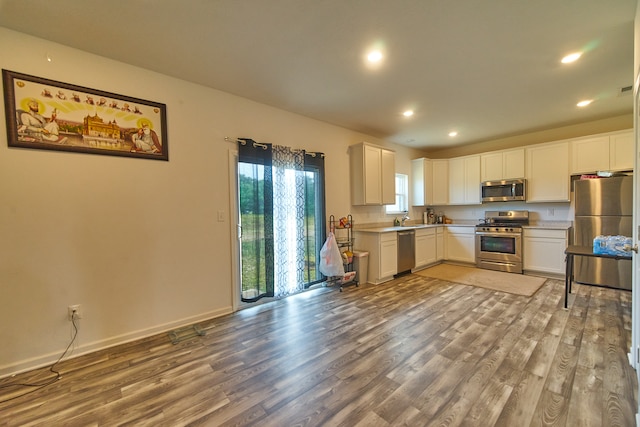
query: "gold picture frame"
50, 115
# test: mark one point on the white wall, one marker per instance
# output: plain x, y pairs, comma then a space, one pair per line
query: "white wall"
135, 241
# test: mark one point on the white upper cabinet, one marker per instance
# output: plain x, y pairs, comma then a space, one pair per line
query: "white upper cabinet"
613, 152
421, 182
547, 167
464, 180
388, 176
503, 164
430, 182
440, 184
590, 154
622, 151
548, 177
372, 172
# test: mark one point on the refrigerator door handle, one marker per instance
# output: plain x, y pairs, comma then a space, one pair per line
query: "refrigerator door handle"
635, 249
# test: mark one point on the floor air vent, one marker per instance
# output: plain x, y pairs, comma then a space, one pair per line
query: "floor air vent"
186, 333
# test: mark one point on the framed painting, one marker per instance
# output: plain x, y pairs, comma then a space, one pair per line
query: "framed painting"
50, 115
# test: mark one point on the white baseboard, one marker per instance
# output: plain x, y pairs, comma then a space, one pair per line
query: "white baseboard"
49, 358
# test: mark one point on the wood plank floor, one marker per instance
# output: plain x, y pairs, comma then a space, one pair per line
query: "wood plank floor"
415, 351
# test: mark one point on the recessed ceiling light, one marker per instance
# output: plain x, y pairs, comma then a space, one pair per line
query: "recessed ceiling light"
408, 113
453, 133
374, 56
572, 57
584, 103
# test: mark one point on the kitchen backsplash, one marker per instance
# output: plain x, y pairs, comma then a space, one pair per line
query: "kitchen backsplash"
556, 212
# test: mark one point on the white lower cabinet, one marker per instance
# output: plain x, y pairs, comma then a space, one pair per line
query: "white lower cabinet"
440, 243
383, 254
425, 247
460, 244
543, 250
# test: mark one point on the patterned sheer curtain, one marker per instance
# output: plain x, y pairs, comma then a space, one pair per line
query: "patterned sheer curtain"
282, 220
288, 219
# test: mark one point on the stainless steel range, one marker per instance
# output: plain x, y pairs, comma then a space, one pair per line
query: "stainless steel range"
499, 240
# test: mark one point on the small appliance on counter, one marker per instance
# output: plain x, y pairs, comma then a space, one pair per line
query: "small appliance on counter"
429, 217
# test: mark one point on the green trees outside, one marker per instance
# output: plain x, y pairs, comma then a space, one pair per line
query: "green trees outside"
251, 198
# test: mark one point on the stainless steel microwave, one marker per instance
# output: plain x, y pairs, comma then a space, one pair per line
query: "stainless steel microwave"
504, 191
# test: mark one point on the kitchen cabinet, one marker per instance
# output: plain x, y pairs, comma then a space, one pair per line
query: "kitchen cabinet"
422, 182
464, 180
430, 182
440, 169
388, 255
426, 247
503, 164
543, 250
440, 243
622, 151
460, 244
614, 152
548, 172
372, 171
383, 254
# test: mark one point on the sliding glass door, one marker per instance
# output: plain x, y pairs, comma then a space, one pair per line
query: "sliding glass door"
314, 217
256, 245
281, 208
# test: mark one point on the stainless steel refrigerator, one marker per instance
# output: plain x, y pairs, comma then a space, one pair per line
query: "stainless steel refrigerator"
603, 207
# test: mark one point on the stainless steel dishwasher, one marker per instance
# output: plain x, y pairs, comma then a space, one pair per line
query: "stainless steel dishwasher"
406, 250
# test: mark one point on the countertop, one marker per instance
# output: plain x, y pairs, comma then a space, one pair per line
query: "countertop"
550, 225
375, 228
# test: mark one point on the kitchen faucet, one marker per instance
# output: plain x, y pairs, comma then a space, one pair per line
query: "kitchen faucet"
405, 217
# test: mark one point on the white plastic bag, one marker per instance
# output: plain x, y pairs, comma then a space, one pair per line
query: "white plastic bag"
330, 258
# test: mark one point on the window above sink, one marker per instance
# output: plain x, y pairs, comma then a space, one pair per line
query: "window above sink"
402, 196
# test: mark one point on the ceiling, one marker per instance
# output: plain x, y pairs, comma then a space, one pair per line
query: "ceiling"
487, 69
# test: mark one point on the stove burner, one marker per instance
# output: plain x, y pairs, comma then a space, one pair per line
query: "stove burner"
503, 221
500, 224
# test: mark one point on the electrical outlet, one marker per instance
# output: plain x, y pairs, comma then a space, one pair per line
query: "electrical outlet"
74, 309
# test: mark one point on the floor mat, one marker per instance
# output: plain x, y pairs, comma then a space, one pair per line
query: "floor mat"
518, 284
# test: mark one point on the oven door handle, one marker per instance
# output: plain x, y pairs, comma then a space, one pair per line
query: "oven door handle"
492, 234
